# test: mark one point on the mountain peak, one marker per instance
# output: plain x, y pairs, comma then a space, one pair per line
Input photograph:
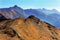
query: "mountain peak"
54, 10
33, 18
15, 6
43, 9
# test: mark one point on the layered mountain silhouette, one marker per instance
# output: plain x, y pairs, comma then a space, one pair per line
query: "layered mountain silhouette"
50, 16
30, 28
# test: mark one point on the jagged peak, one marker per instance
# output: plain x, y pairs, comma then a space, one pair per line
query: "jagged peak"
16, 6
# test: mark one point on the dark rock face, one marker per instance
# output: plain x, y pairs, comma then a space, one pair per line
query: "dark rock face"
2, 17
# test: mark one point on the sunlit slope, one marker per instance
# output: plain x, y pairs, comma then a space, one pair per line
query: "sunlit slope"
30, 28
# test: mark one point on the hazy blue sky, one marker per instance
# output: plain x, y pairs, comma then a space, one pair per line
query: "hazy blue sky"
31, 3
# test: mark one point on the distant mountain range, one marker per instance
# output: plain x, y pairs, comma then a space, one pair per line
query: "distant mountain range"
50, 16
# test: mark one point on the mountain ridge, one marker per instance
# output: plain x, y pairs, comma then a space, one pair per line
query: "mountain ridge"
30, 28
18, 12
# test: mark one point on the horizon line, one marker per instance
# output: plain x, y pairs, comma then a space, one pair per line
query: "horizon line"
31, 8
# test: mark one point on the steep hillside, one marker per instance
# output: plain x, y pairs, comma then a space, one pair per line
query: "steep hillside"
12, 12
30, 28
